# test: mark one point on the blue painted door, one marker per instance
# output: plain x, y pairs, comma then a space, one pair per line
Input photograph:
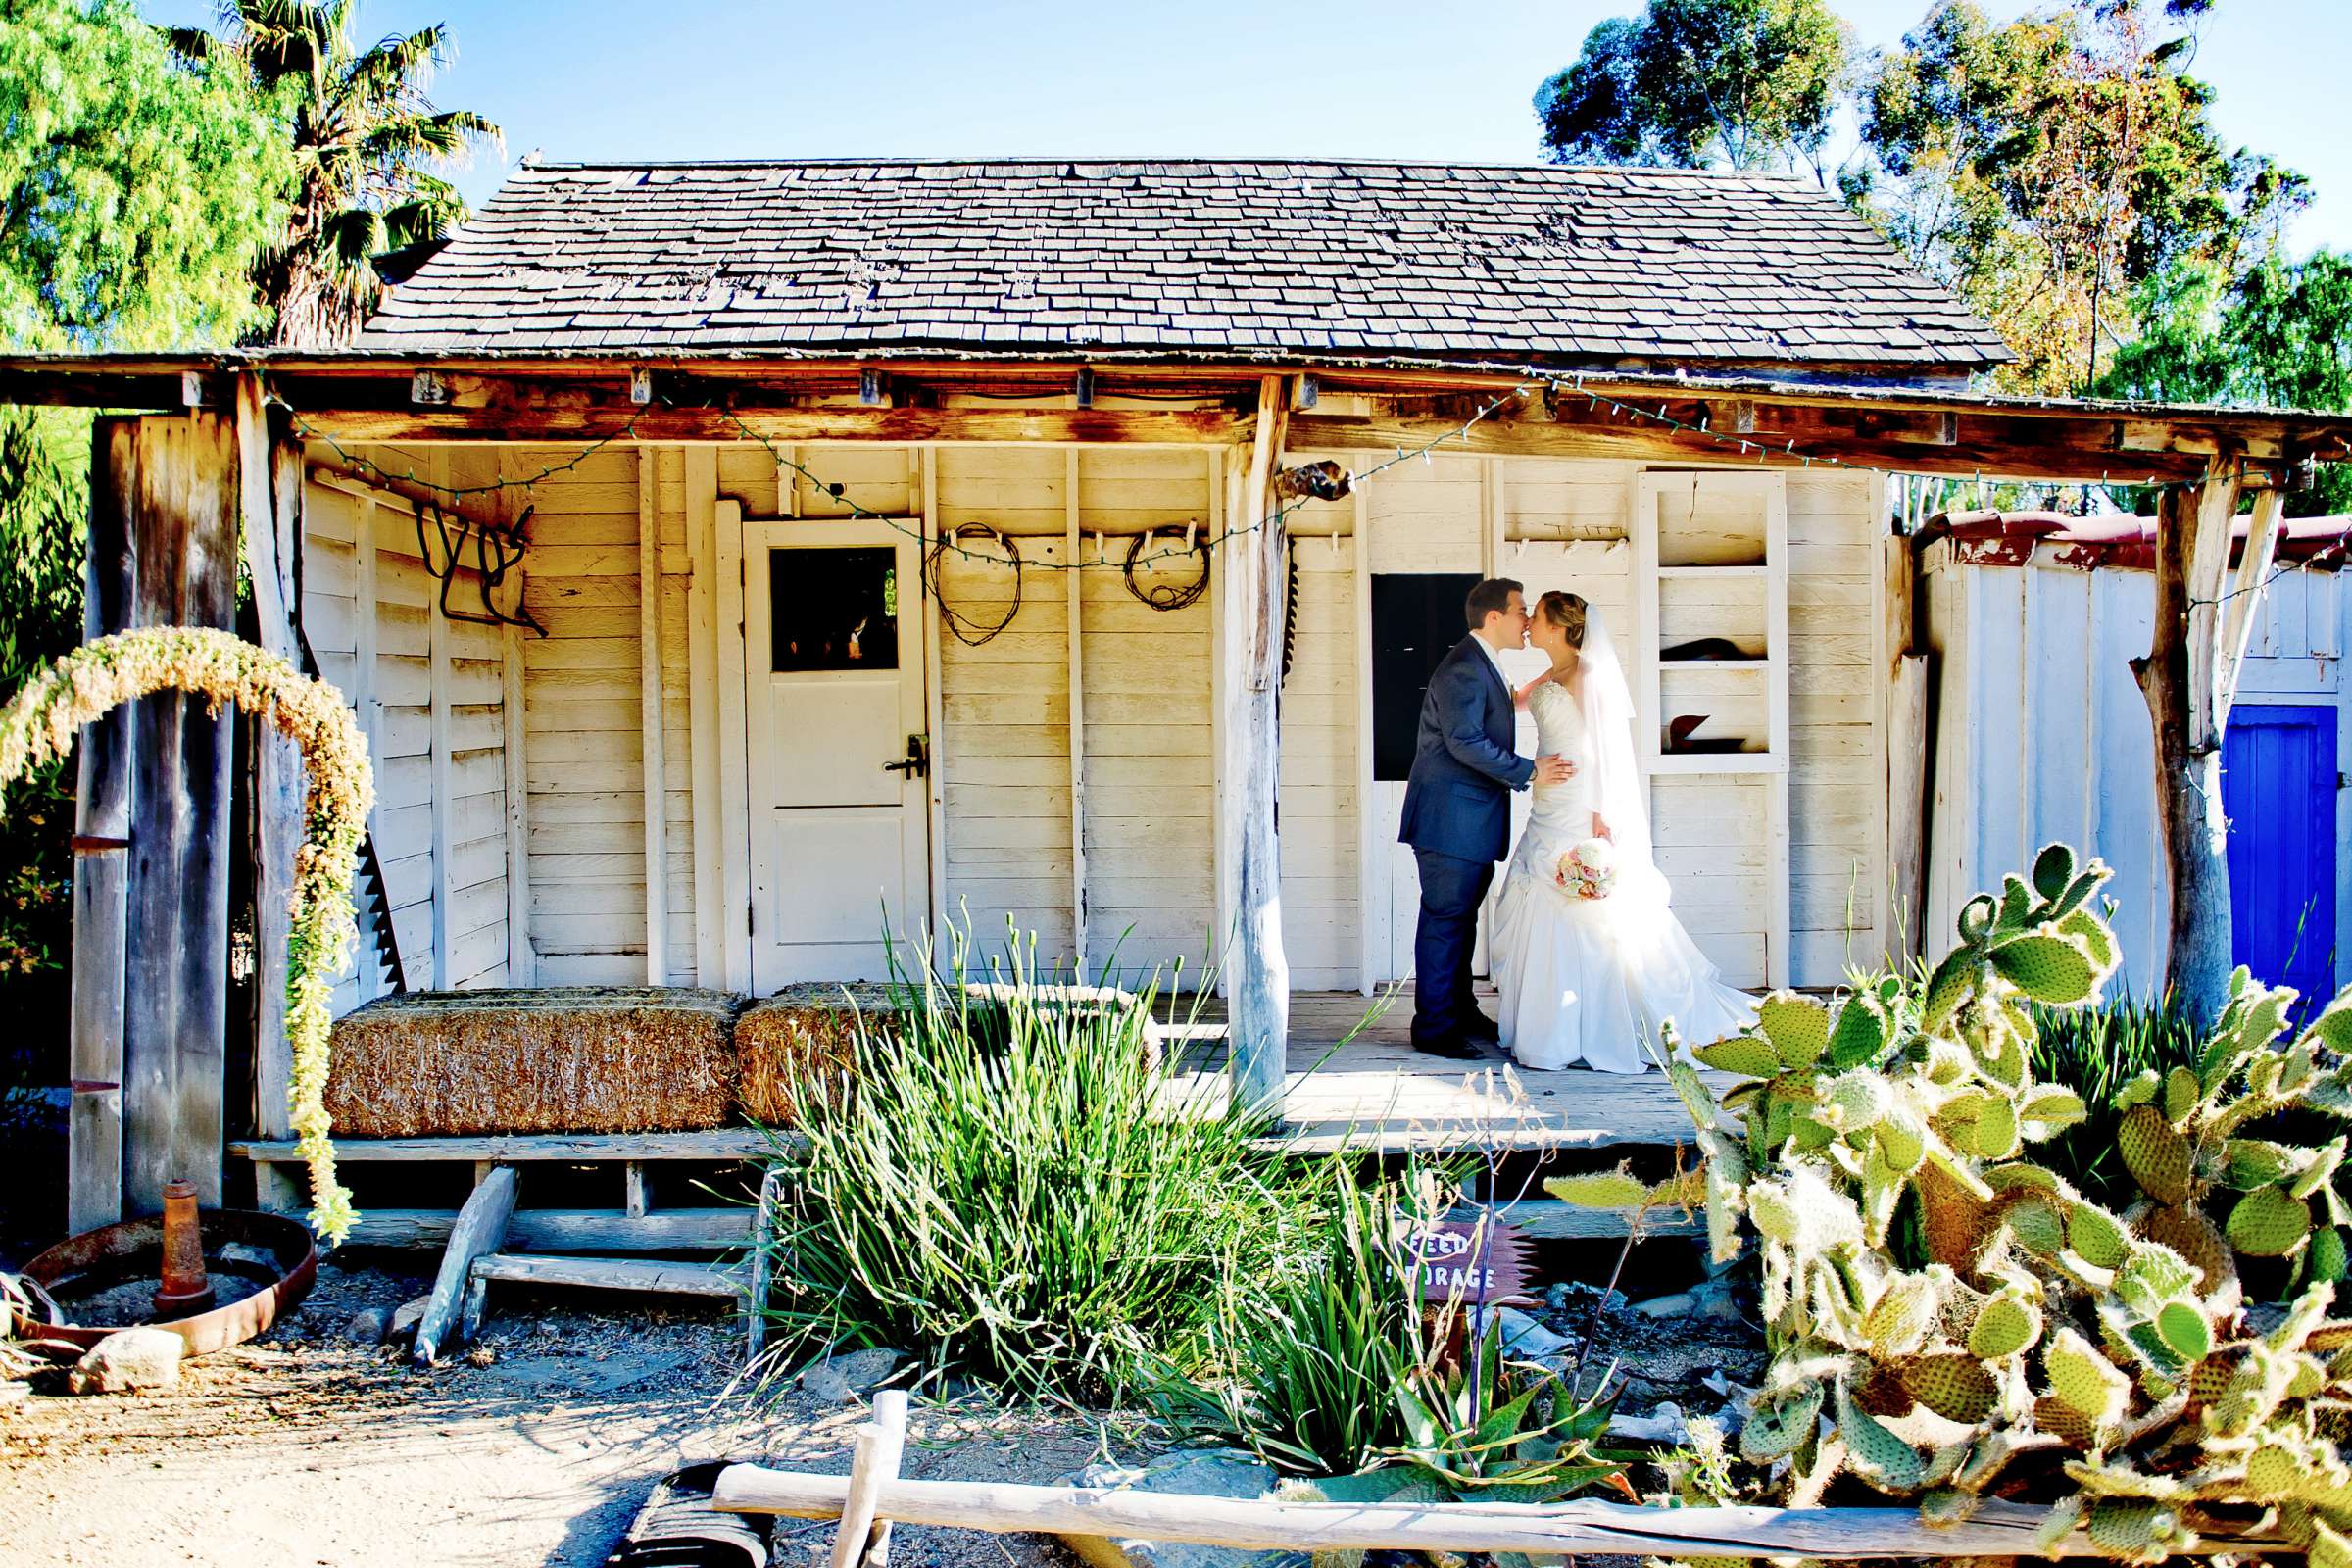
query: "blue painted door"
2278, 789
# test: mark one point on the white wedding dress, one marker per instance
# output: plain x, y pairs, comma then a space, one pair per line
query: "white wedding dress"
1592, 980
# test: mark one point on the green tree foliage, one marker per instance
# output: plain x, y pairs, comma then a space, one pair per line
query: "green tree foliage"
2045, 168
2279, 336
134, 193
365, 140
1749, 83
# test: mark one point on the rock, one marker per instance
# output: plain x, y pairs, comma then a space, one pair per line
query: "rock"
127, 1361
368, 1327
1665, 1424
839, 1379
406, 1317
481, 1356
1680, 1305
1526, 1340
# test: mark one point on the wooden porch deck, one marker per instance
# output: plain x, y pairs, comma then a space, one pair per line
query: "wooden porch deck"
1376, 1091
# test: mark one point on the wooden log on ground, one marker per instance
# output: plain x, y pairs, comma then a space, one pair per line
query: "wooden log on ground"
875, 1462
1998, 1529
101, 863
481, 1229
565, 1230
176, 991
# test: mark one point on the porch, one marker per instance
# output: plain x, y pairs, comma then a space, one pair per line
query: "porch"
1345, 1087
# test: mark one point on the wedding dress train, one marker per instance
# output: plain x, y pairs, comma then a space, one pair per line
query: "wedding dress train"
1593, 980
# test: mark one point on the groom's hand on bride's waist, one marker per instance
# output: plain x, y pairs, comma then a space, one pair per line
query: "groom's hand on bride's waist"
1553, 768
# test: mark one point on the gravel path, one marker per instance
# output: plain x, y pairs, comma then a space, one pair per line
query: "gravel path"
305, 1449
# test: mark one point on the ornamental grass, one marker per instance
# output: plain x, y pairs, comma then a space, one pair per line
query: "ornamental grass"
43, 720
1001, 1184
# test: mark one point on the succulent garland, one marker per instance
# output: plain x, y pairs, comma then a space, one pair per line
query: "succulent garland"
44, 719
1949, 1321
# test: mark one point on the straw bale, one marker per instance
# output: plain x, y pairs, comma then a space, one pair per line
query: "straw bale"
565, 1060
780, 1041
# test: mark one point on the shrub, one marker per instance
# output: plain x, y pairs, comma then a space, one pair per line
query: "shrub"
2048, 1348
1002, 1185
1339, 1371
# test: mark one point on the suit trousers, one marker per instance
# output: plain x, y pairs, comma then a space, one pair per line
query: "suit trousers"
1451, 890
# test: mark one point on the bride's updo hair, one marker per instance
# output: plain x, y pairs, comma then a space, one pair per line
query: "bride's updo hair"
1566, 611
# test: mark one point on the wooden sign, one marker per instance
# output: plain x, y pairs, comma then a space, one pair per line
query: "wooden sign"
1473, 1263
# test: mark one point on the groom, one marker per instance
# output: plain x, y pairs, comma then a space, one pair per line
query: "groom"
1457, 813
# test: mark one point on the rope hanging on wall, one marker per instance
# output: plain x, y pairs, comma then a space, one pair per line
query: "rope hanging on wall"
496, 551
969, 631
1161, 595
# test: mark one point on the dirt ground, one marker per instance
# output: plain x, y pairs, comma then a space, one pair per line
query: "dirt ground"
306, 1450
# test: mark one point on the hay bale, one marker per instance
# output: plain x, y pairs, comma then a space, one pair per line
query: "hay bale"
802, 1028
565, 1060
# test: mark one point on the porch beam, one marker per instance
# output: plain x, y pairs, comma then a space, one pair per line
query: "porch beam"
1976, 455
1074, 643
1258, 1030
892, 427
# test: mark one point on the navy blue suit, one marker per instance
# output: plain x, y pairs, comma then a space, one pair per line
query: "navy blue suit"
1457, 817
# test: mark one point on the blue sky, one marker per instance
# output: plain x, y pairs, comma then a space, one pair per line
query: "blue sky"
1210, 78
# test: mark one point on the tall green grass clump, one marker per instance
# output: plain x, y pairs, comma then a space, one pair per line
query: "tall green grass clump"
1001, 1184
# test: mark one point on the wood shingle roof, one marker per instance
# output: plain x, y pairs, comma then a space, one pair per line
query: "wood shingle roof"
1292, 259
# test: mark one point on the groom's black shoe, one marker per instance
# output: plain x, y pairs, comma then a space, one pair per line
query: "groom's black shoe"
1453, 1047
1481, 1028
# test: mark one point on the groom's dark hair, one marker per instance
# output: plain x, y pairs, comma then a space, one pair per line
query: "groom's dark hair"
1488, 597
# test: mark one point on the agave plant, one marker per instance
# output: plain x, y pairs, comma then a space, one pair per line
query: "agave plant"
366, 138
2038, 1345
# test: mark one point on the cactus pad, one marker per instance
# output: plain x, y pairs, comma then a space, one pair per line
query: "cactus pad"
2328, 1260
1599, 1189
2055, 870
2269, 1222
1775, 1428
1861, 1032
1744, 1054
2084, 1381
2184, 1331
2135, 1530
2157, 1156
1877, 1454
2097, 1236
1797, 1025
1955, 1387
2006, 1327
2049, 969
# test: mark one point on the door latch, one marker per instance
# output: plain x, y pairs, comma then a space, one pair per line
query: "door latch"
918, 764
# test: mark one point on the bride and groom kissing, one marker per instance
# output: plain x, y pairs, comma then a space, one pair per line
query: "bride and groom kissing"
1588, 962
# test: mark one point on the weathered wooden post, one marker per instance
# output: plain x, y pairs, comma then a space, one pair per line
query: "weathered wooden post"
2189, 678
101, 868
1260, 1019
151, 985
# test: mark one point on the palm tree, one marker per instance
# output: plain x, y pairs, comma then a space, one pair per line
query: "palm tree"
366, 138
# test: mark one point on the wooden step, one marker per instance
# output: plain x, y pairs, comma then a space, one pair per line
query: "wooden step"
609, 1274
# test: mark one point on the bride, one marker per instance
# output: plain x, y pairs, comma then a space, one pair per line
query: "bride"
1590, 978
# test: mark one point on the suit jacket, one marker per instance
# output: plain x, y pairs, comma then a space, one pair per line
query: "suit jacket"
1457, 799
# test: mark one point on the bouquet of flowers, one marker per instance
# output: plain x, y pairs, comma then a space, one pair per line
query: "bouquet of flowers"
1588, 869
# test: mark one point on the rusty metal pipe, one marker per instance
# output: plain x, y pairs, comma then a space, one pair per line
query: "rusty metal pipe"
185, 1288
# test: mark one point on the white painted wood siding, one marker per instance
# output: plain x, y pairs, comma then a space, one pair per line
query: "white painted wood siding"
347, 543
2042, 734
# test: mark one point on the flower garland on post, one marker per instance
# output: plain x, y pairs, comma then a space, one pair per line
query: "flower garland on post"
43, 720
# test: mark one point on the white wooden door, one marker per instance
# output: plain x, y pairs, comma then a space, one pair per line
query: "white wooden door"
838, 755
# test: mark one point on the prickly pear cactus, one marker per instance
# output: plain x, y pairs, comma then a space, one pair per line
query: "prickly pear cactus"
1950, 1321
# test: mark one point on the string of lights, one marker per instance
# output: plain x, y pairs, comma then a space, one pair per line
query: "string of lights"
1763, 449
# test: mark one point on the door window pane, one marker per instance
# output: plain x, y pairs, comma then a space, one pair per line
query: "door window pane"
834, 609
1416, 620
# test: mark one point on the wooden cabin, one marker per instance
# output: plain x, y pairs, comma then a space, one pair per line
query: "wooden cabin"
695, 544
